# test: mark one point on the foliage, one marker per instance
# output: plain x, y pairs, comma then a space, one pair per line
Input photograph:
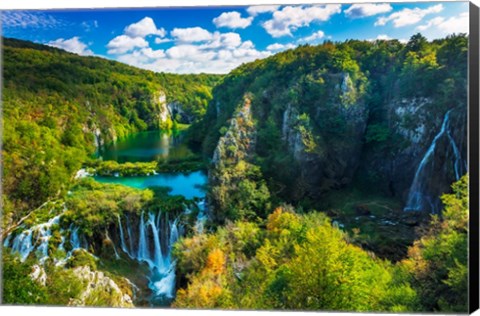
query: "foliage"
18, 287
127, 169
92, 206
438, 262
301, 263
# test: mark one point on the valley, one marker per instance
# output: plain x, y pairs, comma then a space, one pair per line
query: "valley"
320, 178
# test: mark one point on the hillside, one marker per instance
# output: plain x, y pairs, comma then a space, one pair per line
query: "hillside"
347, 114
58, 107
373, 134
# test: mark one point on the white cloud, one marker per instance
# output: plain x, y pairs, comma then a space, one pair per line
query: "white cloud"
190, 53
232, 20
219, 54
315, 36
123, 43
150, 53
430, 23
408, 16
367, 9
144, 27
259, 9
290, 18
383, 37
25, 19
142, 56
276, 47
228, 40
159, 40
247, 45
73, 45
456, 24
191, 34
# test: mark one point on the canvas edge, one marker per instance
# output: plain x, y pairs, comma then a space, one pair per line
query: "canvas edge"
474, 158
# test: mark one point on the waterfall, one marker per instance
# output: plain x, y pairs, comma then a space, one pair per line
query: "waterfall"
151, 226
74, 238
458, 159
122, 238
129, 232
143, 241
201, 217
113, 245
158, 258
6, 242
24, 243
418, 199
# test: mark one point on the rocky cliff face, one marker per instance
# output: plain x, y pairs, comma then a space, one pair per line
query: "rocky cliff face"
426, 153
326, 163
232, 166
332, 116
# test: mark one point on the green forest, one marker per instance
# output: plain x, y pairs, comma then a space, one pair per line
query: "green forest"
310, 157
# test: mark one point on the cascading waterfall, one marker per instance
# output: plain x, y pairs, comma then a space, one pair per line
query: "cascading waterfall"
157, 256
25, 244
150, 241
36, 240
418, 198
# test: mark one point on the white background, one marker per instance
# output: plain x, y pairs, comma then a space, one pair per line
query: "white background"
51, 4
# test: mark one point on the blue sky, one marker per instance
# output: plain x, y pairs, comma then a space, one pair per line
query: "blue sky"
218, 39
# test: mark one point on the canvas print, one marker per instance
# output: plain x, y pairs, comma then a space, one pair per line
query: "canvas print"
268, 157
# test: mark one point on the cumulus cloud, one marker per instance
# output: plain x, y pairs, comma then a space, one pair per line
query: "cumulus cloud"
367, 9
456, 24
73, 45
144, 27
191, 34
276, 47
134, 36
314, 37
159, 40
290, 18
408, 16
123, 43
223, 40
232, 20
260, 9
435, 21
142, 56
219, 54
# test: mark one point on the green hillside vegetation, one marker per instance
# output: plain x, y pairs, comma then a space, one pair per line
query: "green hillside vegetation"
303, 262
340, 94
54, 102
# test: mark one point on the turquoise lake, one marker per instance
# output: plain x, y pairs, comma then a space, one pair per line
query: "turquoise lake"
147, 146
150, 146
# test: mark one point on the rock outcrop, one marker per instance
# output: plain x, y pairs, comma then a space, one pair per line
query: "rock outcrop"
100, 290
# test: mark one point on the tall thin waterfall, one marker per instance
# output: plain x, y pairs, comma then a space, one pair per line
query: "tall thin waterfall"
418, 198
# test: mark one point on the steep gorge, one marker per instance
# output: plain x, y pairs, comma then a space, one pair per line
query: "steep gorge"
326, 120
